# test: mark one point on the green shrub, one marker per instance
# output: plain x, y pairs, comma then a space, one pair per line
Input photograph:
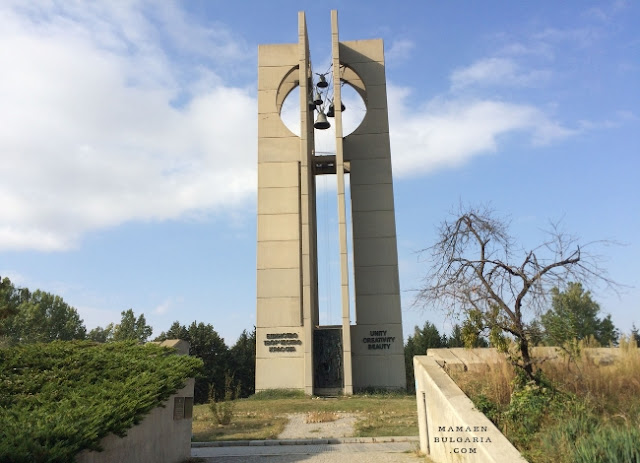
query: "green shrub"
487, 407
59, 398
528, 406
223, 410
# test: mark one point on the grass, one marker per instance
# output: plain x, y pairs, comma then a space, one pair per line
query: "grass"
264, 415
582, 411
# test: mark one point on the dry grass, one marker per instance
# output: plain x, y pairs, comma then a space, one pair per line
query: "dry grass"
321, 417
494, 380
613, 387
597, 386
244, 425
388, 418
610, 383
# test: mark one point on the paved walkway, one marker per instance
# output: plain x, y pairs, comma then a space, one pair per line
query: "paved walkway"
312, 451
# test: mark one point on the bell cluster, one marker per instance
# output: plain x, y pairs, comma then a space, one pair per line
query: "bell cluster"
318, 100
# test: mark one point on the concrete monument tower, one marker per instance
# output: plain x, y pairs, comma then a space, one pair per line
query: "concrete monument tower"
293, 350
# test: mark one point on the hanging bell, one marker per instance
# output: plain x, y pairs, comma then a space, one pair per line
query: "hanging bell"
332, 110
321, 121
322, 83
318, 99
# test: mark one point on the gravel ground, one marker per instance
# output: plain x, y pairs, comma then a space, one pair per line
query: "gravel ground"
297, 428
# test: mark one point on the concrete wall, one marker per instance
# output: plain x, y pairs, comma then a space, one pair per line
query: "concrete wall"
159, 438
451, 429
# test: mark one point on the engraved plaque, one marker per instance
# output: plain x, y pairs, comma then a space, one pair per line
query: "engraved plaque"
178, 408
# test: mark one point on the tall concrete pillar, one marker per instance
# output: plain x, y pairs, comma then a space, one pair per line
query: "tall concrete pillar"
376, 336
293, 350
286, 260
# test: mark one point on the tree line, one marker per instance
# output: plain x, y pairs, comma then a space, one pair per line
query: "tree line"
38, 316
30, 317
224, 367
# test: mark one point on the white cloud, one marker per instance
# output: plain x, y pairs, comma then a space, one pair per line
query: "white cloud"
89, 135
102, 124
496, 71
447, 133
581, 37
163, 308
537, 49
400, 50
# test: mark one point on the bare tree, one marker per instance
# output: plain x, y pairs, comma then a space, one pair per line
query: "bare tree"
476, 269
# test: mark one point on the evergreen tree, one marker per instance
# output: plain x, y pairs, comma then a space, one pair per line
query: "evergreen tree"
132, 329
574, 316
423, 339
10, 298
635, 334
242, 363
455, 339
206, 344
176, 331
99, 334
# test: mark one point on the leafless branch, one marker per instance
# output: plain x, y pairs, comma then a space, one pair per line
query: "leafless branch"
476, 265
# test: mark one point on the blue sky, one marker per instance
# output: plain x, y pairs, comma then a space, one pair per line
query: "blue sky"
128, 142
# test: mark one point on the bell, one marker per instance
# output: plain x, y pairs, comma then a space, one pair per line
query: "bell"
332, 110
318, 99
323, 82
321, 121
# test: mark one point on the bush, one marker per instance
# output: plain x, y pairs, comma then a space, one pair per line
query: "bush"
223, 410
487, 407
60, 398
528, 406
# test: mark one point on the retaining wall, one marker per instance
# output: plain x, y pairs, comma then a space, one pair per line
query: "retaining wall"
451, 429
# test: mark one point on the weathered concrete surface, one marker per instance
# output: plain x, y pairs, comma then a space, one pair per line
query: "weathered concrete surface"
451, 429
462, 359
